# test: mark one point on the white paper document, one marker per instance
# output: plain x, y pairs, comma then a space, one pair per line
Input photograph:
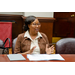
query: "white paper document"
13, 57
39, 57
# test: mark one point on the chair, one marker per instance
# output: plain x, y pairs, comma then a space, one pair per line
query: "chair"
13, 45
65, 46
1, 43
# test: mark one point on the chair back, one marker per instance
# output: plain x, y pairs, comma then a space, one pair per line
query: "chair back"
1, 43
65, 46
13, 47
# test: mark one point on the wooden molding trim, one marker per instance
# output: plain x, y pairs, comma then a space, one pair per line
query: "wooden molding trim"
43, 19
11, 16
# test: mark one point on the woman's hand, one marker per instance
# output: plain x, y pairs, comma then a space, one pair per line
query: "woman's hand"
49, 50
30, 51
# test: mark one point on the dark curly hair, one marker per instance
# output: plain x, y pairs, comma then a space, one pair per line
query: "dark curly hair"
28, 21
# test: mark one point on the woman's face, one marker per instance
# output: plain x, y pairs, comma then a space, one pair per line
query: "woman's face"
34, 27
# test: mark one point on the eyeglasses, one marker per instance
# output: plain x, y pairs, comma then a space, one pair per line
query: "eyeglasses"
34, 24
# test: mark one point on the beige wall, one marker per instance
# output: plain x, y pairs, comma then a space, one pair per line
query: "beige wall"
13, 13
39, 14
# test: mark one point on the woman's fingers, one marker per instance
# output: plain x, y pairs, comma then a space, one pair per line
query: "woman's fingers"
32, 49
51, 49
52, 46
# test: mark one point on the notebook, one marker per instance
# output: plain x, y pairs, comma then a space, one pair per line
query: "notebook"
14, 57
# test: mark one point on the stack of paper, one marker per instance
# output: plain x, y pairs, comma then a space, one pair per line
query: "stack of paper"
13, 57
39, 57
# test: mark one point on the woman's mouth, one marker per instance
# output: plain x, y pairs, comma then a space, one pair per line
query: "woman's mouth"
37, 30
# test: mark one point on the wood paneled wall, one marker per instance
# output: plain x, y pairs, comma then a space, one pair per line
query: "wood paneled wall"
18, 22
64, 26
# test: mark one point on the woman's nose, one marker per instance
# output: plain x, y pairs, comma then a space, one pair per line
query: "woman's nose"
37, 25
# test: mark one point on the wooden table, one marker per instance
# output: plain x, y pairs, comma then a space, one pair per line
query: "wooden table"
67, 57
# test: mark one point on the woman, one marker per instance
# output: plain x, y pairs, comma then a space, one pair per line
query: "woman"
32, 41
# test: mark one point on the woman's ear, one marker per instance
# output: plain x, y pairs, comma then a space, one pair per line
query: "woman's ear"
28, 26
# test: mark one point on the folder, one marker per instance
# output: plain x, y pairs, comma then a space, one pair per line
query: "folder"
40, 57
